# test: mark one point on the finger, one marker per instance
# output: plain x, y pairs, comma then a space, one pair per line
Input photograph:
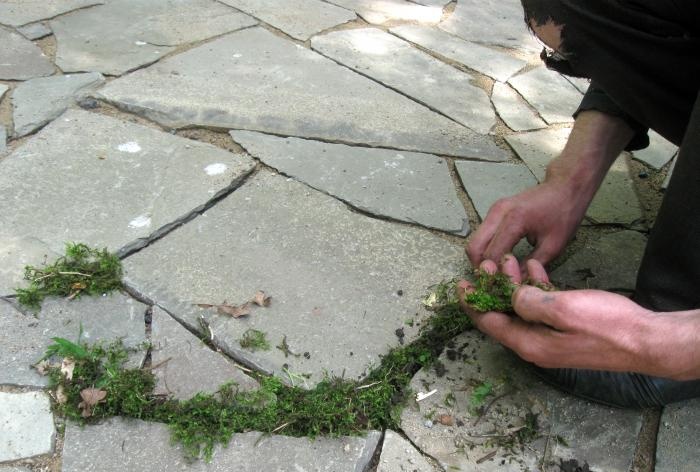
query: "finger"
545, 252
536, 272
538, 306
504, 240
482, 237
511, 267
489, 266
464, 288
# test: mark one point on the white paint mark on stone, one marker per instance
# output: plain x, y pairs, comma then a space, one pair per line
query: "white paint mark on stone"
215, 169
130, 147
237, 55
142, 221
140, 43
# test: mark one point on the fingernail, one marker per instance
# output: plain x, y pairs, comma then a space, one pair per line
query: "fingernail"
463, 284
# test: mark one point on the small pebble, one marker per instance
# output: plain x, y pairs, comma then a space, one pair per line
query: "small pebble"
428, 424
643, 174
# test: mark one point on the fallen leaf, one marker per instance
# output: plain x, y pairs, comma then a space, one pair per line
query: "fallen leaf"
78, 286
91, 397
260, 299
67, 367
61, 396
43, 367
447, 420
231, 310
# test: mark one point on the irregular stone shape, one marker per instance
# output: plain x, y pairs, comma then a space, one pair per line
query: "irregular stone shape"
14, 469
678, 442
186, 365
549, 93
538, 148
482, 428
399, 455
486, 182
379, 13
432, 3
17, 253
3, 88
17, 13
26, 425
406, 186
138, 33
669, 173
256, 81
20, 59
3, 140
103, 319
35, 31
497, 22
659, 152
147, 446
581, 84
341, 283
300, 19
491, 62
398, 65
513, 110
39, 101
610, 263
117, 185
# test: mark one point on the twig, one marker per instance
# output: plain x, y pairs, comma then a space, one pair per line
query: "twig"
487, 456
54, 274
489, 405
361, 387
281, 427
161, 363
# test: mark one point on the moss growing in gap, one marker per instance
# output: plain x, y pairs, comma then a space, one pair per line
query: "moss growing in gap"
254, 340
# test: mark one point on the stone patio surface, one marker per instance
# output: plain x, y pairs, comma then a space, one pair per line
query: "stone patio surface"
333, 153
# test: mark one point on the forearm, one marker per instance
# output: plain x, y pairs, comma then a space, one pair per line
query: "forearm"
672, 345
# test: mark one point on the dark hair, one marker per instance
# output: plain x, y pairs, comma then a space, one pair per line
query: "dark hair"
542, 11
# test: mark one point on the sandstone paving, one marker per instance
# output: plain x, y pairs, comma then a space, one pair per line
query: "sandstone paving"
35, 31
513, 110
610, 263
38, 101
463, 434
300, 19
554, 97
495, 22
104, 319
678, 443
402, 67
405, 186
146, 446
399, 455
380, 12
341, 283
659, 152
20, 59
15, 254
256, 81
187, 366
26, 425
17, 13
492, 62
109, 183
137, 33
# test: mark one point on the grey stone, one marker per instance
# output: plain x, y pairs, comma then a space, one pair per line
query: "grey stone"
35, 31
659, 152
391, 10
256, 81
669, 173
549, 93
609, 263
398, 65
117, 185
399, 455
513, 110
432, 3
487, 182
17, 13
186, 365
3, 88
20, 59
15, 254
14, 469
538, 148
581, 84
491, 62
405, 186
38, 101
3, 140
300, 19
479, 430
138, 33
497, 22
334, 276
678, 442
103, 319
147, 446
26, 425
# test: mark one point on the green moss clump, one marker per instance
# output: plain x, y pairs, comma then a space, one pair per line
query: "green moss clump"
254, 340
492, 292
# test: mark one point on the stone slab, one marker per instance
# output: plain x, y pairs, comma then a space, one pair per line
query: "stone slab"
669, 173
487, 182
538, 148
35, 31
513, 110
341, 283
20, 59
609, 263
580, 83
491, 62
147, 446
432, 3
300, 19
187, 365
17, 13
256, 81
378, 13
39, 101
116, 186
138, 33
14, 469
3, 140
554, 97
659, 153
496, 22
405, 186
480, 436
103, 319
678, 441
26, 425
3, 88
399, 455
402, 67
15, 254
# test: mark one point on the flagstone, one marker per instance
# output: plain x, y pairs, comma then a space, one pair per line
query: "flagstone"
3, 140
3, 88
20, 59
35, 31
678, 446
554, 97
383, 11
17, 13
659, 153
15, 254
26, 425
513, 110
400, 455
669, 173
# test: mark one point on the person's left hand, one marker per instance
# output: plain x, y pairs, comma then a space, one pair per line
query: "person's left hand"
587, 329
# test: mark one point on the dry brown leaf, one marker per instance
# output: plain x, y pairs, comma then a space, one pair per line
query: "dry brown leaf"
261, 299
67, 367
61, 396
230, 310
43, 367
91, 397
446, 420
